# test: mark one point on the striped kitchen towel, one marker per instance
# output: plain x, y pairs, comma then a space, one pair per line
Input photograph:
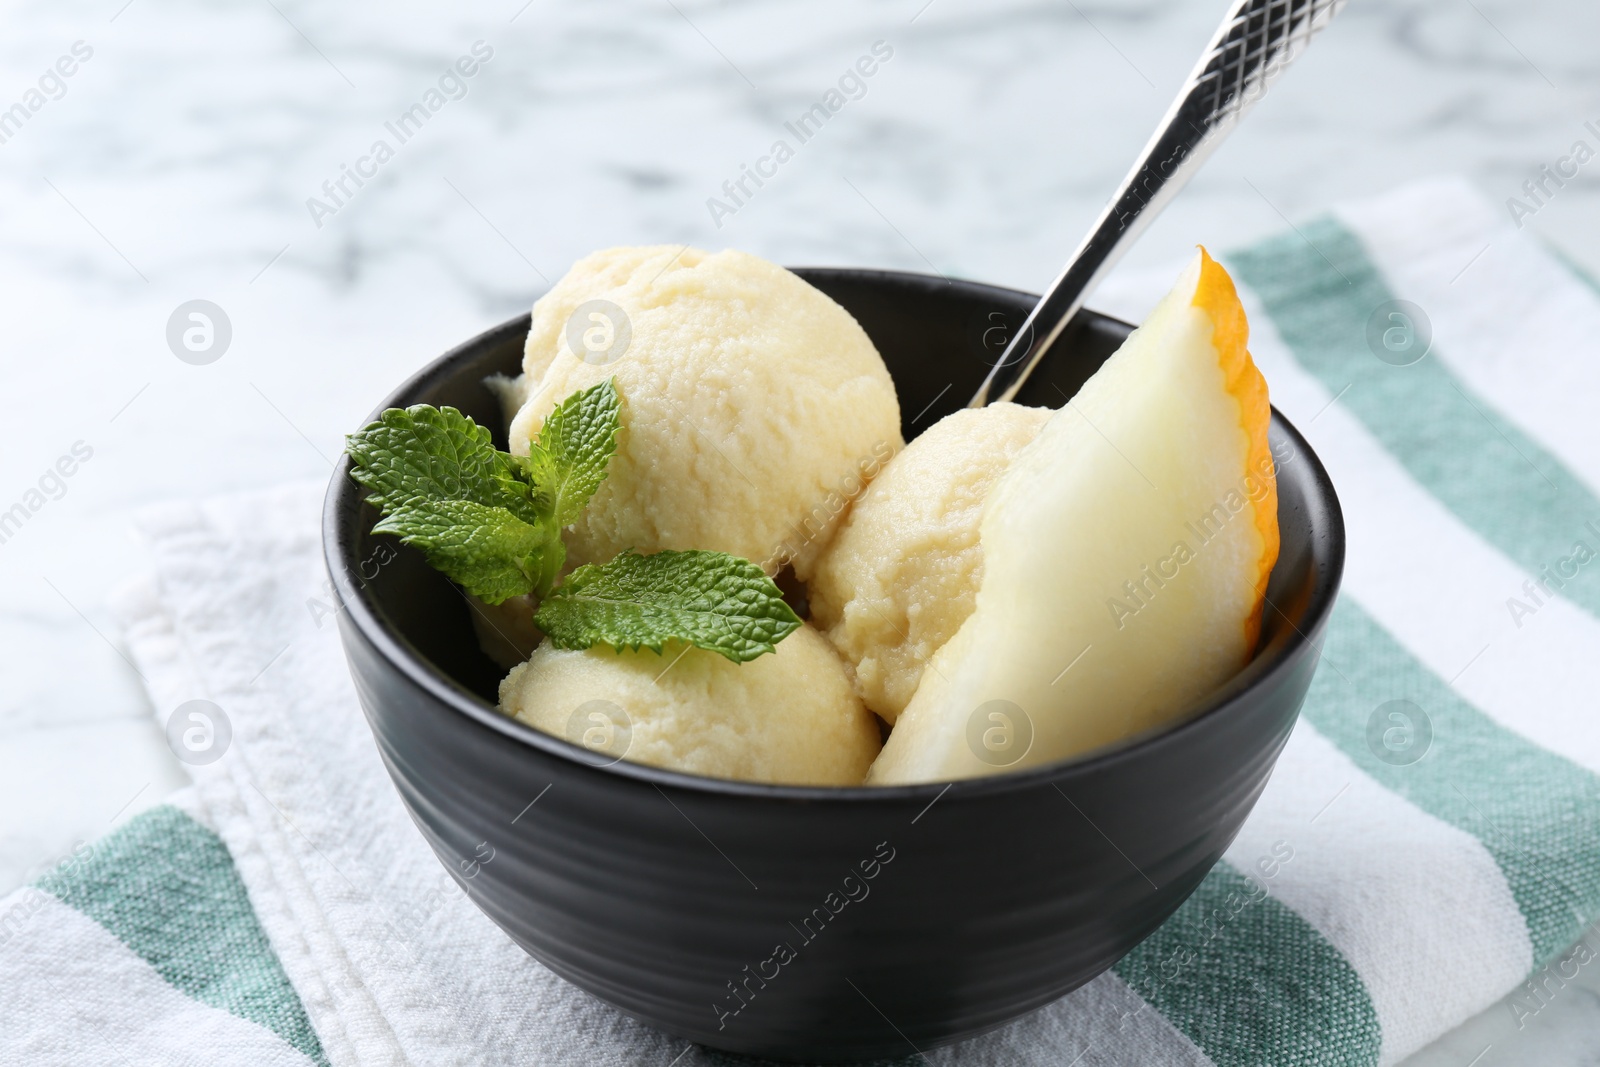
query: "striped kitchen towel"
1429, 844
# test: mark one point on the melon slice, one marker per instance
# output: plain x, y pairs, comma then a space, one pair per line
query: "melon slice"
1126, 555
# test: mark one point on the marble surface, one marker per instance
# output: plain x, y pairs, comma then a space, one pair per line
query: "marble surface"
176, 162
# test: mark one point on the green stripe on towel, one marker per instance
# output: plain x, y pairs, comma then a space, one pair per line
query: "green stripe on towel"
1250, 982
166, 887
1496, 479
1578, 270
1536, 813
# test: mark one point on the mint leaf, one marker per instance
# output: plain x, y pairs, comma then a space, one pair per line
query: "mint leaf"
428, 453
445, 488
568, 461
492, 524
709, 599
487, 550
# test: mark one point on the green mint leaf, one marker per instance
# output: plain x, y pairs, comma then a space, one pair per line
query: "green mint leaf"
486, 550
568, 461
445, 488
709, 599
428, 453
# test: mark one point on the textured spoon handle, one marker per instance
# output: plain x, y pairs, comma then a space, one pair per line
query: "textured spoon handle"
1256, 42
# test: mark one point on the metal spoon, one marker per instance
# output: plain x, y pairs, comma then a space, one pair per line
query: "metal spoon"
1256, 42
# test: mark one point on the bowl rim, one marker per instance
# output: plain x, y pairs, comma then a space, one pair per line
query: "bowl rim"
344, 498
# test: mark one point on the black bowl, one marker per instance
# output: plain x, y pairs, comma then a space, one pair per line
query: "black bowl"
803, 923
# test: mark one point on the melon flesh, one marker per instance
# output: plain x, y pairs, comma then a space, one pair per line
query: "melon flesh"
1126, 553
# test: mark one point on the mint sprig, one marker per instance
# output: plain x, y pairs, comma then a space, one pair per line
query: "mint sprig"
443, 487
489, 520
709, 599
492, 523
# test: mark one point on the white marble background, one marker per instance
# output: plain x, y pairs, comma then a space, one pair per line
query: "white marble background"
177, 163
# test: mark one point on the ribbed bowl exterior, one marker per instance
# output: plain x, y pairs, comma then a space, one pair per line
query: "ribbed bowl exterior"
821, 924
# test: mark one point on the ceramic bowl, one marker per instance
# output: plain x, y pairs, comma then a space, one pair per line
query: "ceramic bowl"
821, 924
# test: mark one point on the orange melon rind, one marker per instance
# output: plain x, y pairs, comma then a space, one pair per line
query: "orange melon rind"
1216, 295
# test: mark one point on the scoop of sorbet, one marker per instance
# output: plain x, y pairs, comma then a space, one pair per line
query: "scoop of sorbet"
787, 717
902, 574
754, 407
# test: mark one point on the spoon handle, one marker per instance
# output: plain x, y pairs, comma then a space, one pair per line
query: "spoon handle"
1256, 42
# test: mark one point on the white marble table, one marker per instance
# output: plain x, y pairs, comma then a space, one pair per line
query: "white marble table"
176, 161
